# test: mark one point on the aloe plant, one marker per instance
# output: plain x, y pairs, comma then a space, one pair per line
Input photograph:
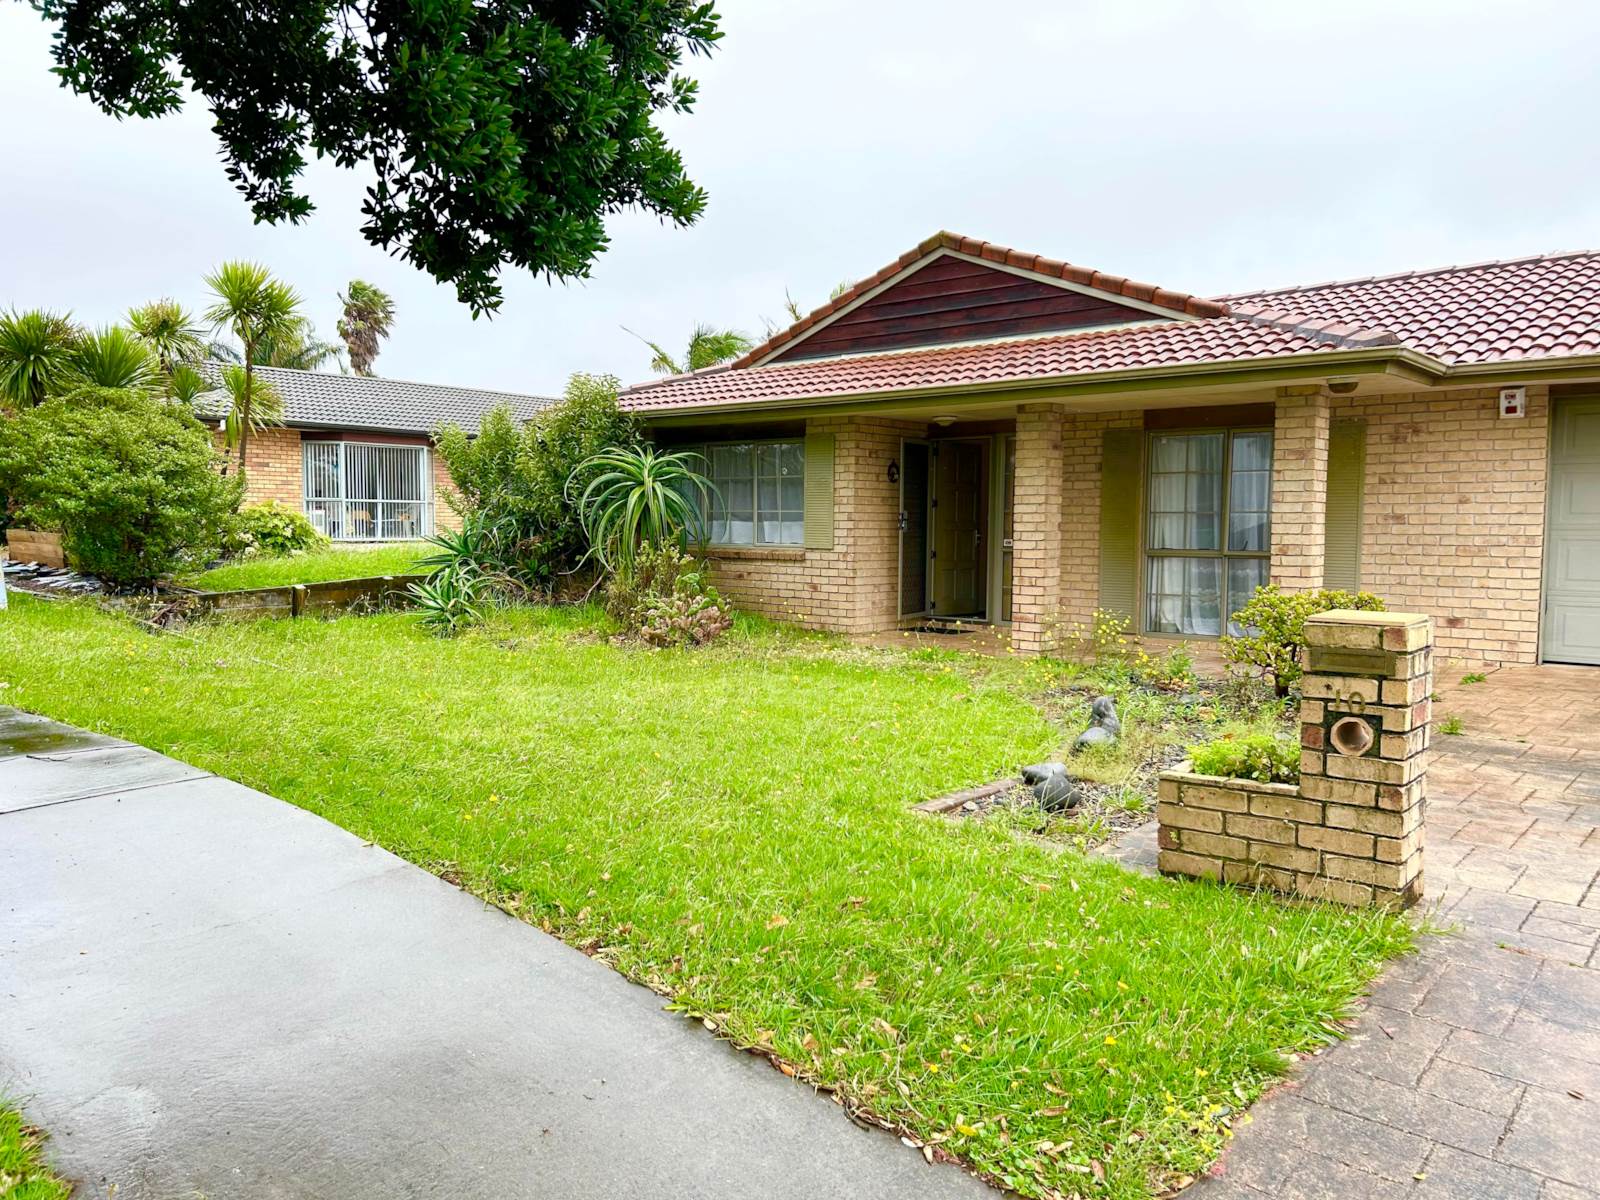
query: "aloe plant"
641, 497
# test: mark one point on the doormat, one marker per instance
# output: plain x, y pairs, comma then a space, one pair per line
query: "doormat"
944, 630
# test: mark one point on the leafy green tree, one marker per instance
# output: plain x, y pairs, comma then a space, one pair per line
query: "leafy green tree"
1273, 622
128, 478
518, 477
170, 332
36, 350
368, 318
707, 347
116, 358
255, 308
499, 134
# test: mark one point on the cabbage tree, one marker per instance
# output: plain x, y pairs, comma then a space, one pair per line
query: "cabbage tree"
641, 497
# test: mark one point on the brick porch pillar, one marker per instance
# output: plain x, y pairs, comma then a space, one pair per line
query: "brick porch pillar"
1299, 487
1036, 549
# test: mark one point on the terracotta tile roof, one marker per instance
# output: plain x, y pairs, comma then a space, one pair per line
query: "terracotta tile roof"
1523, 309
1251, 335
1546, 306
1179, 302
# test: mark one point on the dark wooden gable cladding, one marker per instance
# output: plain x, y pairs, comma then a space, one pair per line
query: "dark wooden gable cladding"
953, 300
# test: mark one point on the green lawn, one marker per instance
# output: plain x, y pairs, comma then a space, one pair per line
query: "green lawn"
23, 1173
316, 566
730, 826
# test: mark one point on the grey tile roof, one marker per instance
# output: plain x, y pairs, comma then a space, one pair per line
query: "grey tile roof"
319, 400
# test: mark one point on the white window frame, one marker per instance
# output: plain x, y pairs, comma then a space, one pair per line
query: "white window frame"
384, 514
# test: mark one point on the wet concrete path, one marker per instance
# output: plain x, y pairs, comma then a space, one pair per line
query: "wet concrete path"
205, 991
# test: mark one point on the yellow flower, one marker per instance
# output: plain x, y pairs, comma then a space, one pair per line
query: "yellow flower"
1110, 1041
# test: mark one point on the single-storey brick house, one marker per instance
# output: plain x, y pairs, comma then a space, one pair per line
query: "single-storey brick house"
355, 453
980, 433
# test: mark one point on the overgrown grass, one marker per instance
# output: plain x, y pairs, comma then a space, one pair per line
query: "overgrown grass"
24, 1174
730, 826
315, 566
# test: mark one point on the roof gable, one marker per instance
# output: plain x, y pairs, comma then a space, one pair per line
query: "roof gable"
987, 291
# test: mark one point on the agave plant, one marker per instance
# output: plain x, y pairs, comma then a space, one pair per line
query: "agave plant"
449, 600
114, 357
36, 351
640, 497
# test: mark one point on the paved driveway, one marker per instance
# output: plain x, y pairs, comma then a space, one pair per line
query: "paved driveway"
1474, 1073
207, 992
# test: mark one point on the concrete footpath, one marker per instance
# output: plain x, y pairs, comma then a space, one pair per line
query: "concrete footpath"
205, 991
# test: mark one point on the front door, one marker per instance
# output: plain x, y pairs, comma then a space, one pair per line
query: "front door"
915, 481
960, 516
1572, 549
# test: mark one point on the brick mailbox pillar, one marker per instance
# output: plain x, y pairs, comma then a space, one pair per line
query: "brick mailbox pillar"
1351, 829
1364, 716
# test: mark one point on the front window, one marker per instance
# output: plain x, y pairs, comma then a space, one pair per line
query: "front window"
1209, 535
760, 493
360, 491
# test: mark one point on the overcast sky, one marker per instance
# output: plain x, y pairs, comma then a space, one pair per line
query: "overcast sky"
1204, 147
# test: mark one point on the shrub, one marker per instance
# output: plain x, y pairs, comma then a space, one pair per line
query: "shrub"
1263, 757
271, 529
521, 475
1275, 629
130, 480
666, 600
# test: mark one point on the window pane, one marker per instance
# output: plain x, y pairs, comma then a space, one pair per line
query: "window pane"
793, 494
1168, 452
1205, 453
1166, 532
1250, 491
1248, 532
1185, 596
1252, 452
1245, 575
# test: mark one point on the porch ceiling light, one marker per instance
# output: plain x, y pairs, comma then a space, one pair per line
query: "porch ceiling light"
1343, 387
943, 421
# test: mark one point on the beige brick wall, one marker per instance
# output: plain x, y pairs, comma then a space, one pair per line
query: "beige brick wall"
273, 470
444, 517
1453, 519
854, 587
1299, 487
1453, 516
1037, 558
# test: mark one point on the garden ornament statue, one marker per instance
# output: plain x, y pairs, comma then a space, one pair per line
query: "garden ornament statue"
1052, 786
1103, 725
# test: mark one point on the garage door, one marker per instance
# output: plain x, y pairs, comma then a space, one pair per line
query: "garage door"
1572, 554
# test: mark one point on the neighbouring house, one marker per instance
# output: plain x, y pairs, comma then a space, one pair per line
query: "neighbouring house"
355, 453
979, 433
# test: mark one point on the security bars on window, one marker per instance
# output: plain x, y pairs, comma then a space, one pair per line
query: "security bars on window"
363, 492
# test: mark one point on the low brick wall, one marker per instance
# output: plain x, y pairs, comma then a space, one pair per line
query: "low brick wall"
1351, 829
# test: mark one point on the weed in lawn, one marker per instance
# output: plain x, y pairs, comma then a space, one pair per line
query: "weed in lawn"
730, 826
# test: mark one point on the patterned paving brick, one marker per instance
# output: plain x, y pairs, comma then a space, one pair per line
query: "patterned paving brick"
1483, 1049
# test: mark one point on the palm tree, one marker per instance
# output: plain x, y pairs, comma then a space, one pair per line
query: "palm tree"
793, 311
114, 357
36, 351
707, 347
254, 405
298, 347
368, 317
169, 331
255, 308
